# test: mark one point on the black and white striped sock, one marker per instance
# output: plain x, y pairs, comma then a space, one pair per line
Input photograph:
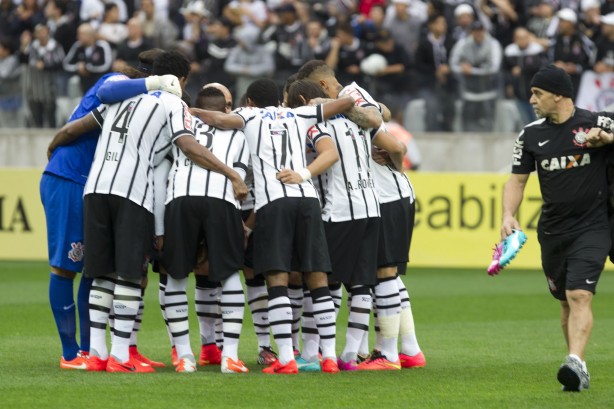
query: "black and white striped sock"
358, 321
126, 300
100, 303
309, 329
388, 304
324, 317
280, 318
233, 307
176, 302
257, 298
295, 294
138, 320
407, 330
161, 290
206, 295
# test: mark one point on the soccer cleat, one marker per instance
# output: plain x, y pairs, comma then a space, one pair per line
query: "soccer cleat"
495, 267
266, 356
136, 355
174, 358
229, 365
96, 364
307, 366
379, 362
210, 355
572, 376
186, 365
278, 368
511, 246
362, 358
415, 361
330, 366
78, 363
347, 366
296, 352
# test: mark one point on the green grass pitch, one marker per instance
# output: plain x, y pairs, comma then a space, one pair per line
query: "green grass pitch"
489, 343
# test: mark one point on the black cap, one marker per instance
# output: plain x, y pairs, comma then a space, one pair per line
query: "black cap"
553, 79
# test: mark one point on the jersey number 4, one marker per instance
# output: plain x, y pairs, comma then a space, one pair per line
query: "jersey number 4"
122, 120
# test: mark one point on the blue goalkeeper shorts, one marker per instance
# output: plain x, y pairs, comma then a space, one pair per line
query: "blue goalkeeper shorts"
63, 203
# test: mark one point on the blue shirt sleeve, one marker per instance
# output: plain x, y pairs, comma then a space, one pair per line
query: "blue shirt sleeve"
114, 91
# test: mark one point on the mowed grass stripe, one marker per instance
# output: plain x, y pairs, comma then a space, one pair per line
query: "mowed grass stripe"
489, 342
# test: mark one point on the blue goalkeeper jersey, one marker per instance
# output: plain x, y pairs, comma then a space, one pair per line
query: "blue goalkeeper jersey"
73, 161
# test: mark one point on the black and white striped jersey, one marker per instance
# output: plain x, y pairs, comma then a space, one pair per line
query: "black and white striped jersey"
250, 201
188, 179
277, 138
350, 186
136, 135
391, 185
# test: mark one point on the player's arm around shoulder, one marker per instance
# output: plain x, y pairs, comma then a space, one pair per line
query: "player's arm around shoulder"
218, 119
71, 131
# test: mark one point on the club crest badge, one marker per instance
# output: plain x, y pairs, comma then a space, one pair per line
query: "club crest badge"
580, 137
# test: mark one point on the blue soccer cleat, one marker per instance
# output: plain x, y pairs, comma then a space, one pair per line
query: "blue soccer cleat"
511, 246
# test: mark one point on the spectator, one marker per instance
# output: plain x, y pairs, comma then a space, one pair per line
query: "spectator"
247, 12
317, 38
7, 10
464, 16
112, 30
589, 24
367, 27
503, 18
128, 51
436, 86
43, 58
248, 60
605, 45
572, 51
403, 21
290, 43
391, 84
542, 22
157, 28
476, 60
25, 17
92, 12
346, 53
61, 23
193, 35
88, 58
210, 66
10, 92
522, 59
365, 6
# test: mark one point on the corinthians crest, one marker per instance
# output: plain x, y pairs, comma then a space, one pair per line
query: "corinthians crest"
580, 137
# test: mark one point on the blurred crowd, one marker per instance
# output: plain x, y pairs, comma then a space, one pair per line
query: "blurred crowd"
439, 51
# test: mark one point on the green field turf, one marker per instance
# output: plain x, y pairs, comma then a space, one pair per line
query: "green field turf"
489, 343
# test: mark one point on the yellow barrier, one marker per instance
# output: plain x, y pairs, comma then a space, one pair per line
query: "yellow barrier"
458, 217
23, 234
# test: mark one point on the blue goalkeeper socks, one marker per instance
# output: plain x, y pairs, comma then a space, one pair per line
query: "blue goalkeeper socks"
63, 308
83, 304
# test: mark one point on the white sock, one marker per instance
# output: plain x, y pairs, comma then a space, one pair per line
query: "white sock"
126, 300
388, 304
176, 302
233, 307
407, 331
101, 301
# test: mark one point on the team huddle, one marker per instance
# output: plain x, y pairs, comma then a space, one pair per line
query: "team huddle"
303, 194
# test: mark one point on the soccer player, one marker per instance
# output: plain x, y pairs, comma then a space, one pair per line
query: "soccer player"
573, 229
289, 234
62, 196
200, 205
118, 202
397, 215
